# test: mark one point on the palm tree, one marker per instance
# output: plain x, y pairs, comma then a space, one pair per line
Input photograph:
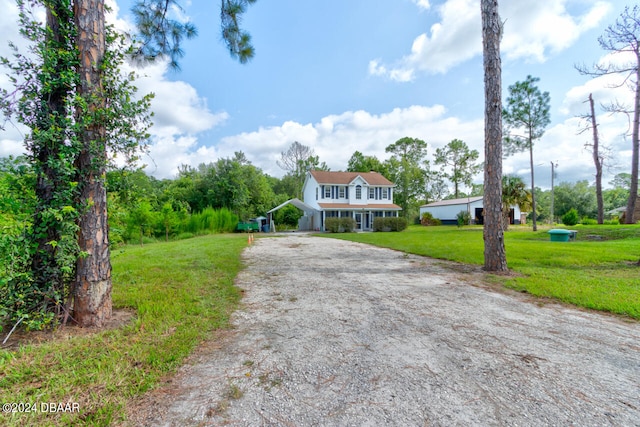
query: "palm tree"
514, 192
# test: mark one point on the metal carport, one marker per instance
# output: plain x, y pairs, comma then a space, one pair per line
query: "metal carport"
304, 223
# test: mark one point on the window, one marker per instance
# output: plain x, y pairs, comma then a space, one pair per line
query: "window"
327, 191
358, 192
372, 193
385, 194
341, 192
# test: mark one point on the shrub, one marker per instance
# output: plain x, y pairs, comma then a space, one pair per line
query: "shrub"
612, 221
428, 219
389, 223
571, 217
588, 221
464, 218
340, 225
211, 221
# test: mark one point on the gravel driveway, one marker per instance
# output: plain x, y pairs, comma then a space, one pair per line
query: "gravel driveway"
334, 333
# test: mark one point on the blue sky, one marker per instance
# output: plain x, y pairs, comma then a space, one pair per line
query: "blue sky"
346, 75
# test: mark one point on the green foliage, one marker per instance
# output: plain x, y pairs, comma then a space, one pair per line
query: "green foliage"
588, 221
340, 225
287, 215
390, 223
514, 193
428, 219
232, 183
526, 115
571, 217
47, 100
180, 293
213, 221
361, 163
579, 195
463, 218
458, 164
406, 170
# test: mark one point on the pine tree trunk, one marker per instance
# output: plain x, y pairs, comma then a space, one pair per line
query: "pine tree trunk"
533, 188
494, 252
598, 162
635, 156
92, 305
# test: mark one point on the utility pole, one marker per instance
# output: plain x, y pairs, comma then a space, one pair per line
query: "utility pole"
552, 176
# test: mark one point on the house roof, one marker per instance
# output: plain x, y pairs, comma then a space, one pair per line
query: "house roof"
451, 202
378, 206
345, 178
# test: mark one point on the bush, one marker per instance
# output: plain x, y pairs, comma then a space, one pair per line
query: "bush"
464, 218
340, 225
588, 221
389, 223
571, 217
428, 219
211, 221
613, 221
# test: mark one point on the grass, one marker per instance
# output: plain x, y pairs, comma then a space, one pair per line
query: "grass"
597, 271
180, 292
183, 290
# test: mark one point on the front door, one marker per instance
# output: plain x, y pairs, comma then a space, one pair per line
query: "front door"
358, 221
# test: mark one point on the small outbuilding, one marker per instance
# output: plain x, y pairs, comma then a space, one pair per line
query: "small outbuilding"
447, 210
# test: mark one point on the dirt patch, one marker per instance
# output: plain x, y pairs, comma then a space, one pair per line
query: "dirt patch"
20, 337
340, 333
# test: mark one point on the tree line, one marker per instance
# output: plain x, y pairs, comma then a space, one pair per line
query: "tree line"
81, 111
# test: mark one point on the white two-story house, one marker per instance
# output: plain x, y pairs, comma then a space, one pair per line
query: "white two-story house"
359, 195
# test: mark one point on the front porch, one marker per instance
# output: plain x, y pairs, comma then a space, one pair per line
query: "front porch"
363, 217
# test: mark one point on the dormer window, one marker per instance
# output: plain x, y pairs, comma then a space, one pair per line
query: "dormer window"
358, 192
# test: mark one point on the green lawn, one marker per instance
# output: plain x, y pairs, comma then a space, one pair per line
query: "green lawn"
181, 291
596, 271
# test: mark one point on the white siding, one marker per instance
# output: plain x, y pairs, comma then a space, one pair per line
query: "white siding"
364, 194
309, 195
449, 212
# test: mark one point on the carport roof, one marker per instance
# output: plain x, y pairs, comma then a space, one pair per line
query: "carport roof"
295, 202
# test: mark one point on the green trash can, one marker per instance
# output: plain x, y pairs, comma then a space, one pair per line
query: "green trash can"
559, 235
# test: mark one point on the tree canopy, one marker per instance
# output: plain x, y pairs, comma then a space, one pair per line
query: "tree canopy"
526, 116
458, 163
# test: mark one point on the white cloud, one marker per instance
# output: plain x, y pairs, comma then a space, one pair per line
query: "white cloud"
334, 138
177, 106
423, 4
180, 113
533, 31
